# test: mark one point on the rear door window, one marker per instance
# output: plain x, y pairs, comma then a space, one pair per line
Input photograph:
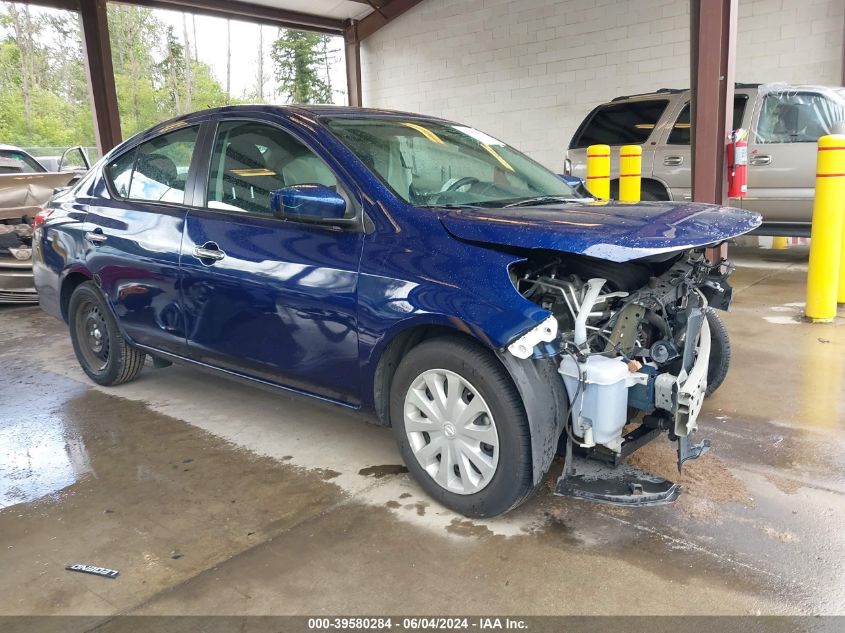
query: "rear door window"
156, 170
797, 117
680, 134
630, 122
161, 167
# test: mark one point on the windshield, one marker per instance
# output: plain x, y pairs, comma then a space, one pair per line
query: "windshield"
434, 163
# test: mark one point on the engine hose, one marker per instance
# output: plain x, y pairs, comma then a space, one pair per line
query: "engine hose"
660, 323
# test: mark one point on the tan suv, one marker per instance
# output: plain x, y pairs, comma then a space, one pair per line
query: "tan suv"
784, 123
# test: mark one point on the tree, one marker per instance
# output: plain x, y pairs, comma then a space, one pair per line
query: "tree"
299, 59
188, 65
44, 99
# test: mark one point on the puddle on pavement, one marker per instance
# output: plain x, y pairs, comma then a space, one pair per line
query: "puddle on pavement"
92, 478
41, 455
385, 470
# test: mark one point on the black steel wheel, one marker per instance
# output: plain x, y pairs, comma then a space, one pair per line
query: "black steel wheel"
98, 344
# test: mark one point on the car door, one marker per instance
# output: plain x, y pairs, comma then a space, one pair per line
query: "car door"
270, 298
673, 158
782, 153
133, 233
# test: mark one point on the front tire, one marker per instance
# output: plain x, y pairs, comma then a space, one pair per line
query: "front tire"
461, 427
720, 351
98, 344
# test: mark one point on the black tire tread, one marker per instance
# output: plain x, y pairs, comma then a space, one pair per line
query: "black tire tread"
128, 360
720, 351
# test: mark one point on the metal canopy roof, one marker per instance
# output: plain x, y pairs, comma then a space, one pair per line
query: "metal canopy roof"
335, 9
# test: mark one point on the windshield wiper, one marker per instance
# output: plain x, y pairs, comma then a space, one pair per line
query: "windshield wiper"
540, 200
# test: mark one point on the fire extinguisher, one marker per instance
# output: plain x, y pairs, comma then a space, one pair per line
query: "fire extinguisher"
738, 164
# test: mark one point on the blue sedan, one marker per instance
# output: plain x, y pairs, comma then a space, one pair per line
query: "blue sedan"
413, 268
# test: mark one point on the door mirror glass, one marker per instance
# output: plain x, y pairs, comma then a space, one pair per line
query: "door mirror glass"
309, 202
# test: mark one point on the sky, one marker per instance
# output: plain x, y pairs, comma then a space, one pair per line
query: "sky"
211, 49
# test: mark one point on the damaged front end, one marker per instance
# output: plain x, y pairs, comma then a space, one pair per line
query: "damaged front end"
16, 281
632, 343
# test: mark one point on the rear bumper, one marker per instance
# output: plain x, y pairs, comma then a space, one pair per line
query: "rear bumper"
787, 229
16, 282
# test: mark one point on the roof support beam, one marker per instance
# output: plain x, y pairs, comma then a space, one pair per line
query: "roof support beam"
384, 15
712, 54
842, 78
98, 65
237, 10
352, 46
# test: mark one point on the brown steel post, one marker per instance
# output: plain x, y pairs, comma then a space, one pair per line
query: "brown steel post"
842, 82
98, 65
352, 47
712, 54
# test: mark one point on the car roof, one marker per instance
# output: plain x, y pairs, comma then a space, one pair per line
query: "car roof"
287, 110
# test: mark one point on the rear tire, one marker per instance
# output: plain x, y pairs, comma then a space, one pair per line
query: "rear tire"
720, 351
653, 192
98, 344
478, 478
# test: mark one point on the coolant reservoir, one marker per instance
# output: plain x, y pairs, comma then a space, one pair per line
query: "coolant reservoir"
603, 401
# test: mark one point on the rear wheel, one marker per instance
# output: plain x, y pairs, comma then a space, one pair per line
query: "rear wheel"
98, 344
653, 192
461, 427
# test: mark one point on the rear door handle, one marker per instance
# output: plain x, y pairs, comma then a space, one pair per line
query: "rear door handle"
208, 251
673, 161
761, 159
96, 237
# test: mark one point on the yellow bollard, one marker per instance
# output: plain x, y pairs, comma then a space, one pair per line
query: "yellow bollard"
598, 171
630, 172
779, 242
826, 237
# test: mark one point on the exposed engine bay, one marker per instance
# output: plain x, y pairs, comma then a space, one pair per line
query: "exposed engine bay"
634, 343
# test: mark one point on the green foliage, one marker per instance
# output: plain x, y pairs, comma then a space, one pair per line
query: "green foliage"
300, 60
53, 108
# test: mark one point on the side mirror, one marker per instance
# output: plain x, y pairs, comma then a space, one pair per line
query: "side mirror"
308, 203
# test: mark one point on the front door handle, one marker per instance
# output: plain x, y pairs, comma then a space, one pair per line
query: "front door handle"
673, 161
208, 251
96, 237
761, 159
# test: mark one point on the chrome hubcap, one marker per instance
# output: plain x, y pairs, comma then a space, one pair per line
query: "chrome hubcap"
451, 431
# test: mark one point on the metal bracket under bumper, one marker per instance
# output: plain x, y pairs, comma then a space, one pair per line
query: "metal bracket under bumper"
622, 485
683, 395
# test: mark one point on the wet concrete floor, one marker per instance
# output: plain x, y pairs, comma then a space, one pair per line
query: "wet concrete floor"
212, 497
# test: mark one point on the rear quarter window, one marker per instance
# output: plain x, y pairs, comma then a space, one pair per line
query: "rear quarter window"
630, 122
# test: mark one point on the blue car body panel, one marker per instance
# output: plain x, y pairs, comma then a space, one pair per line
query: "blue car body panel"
313, 308
617, 232
281, 306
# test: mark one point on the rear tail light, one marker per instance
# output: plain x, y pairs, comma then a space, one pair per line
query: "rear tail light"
40, 217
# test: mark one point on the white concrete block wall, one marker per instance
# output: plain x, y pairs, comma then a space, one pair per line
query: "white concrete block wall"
528, 71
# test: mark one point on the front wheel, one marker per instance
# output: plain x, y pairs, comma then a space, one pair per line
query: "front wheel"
720, 351
98, 344
461, 427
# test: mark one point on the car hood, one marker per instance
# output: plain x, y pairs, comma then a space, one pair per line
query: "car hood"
614, 231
